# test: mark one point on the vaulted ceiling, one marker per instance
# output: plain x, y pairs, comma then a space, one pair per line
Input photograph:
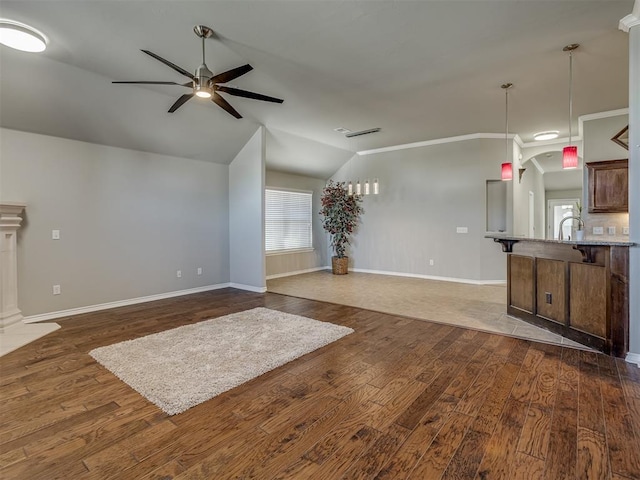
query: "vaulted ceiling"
420, 70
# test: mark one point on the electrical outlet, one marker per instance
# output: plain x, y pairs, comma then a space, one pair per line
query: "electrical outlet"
431, 262
55, 234
199, 271
611, 230
598, 230
179, 274
625, 230
462, 230
56, 289
548, 297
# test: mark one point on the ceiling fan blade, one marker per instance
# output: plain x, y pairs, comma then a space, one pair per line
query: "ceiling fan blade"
156, 83
244, 93
221, 102
169, 64
181, 101
231, 74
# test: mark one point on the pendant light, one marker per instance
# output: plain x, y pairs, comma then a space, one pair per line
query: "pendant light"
570, 152
507, 166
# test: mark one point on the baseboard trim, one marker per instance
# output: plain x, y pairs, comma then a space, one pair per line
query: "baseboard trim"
430, 277
633, 358
120, 303
249, 288
297, 272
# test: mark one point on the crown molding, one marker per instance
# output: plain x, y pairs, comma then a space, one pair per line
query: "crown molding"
437, 141
499, 136
631, 20
596, 116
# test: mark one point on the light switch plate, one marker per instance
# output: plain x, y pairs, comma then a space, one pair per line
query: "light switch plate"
611, 230
55, 234
598, 230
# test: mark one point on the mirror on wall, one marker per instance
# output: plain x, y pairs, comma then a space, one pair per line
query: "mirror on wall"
562, 193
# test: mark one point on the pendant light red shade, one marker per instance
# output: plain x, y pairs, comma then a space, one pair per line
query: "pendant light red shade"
570, 157
507, 167
507, 171
570, 153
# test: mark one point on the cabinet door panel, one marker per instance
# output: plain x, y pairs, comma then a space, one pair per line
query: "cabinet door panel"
588, 298
608, 186
550, 278
522, 282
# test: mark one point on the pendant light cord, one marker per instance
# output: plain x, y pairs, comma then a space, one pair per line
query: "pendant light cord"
506, 88
203, 62
506, 124
570, 91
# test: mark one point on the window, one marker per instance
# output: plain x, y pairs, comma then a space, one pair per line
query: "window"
287, 220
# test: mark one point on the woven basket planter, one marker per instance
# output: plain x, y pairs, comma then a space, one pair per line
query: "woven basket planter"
340, 266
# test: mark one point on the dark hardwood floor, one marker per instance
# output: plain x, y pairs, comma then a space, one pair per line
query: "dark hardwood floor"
400, 398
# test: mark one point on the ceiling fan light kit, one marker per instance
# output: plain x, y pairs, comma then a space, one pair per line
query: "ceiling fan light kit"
204, 83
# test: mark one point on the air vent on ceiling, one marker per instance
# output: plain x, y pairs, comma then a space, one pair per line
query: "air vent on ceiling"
342, 130
363, 132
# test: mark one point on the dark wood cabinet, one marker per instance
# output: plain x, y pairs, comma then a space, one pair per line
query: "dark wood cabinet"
578, 291
608, 186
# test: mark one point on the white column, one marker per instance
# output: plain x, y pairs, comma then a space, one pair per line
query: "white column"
631, 24
9, 223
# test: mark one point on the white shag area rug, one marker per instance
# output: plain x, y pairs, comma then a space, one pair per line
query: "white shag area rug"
180, 368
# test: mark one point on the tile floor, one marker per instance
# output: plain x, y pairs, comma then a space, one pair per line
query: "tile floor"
19, 334
480, 307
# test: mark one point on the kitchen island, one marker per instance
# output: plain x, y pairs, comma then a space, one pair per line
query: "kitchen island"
577, 289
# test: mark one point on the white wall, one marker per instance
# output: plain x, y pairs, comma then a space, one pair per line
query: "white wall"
598, 147
634, 187
246, 215
532, 181
128, 221
425, 193
281, 264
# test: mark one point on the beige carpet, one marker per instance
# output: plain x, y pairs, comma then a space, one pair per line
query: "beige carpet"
480, 307
180, 368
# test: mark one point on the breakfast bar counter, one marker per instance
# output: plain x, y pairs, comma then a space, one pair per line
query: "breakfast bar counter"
577, 289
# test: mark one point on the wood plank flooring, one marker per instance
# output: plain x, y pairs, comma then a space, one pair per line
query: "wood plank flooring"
400, 398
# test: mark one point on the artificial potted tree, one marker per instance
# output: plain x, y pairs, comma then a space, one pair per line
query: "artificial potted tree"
340, 213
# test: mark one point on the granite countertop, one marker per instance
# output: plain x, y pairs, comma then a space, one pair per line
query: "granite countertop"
588, 241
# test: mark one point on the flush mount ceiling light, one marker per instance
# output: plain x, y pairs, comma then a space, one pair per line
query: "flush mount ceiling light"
507, 167
548, 135
570, 152
21, 37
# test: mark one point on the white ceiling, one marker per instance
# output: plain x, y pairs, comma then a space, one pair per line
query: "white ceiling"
420, 70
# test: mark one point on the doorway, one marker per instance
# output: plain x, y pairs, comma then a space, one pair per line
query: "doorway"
557, 209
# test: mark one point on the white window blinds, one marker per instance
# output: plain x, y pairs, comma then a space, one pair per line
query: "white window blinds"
287, 220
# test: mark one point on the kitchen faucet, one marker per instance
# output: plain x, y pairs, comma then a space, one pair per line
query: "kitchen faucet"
580, 225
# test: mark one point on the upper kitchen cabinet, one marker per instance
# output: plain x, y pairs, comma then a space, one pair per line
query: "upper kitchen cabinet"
608, 186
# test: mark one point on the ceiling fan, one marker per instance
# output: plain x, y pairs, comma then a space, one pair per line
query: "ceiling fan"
204, 83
